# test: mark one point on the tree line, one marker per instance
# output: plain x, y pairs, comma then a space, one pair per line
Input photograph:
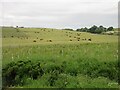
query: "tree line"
95, 29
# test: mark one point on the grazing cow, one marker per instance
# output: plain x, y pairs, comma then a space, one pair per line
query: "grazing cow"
12, 36
41, 39
37, 37
34, 41
49, 40
69, 36
36, 32
70, 39
89, 39
78, 40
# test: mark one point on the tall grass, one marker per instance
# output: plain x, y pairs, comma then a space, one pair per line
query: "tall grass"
65, 65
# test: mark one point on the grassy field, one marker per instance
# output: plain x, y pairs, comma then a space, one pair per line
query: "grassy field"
50, 58
26, 36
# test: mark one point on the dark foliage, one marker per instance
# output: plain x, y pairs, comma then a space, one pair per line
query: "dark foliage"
14, 72
95, 29
68, 29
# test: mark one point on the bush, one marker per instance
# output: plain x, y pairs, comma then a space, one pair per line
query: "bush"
15, 72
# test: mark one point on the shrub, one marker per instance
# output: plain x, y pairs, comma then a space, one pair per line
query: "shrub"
15, 72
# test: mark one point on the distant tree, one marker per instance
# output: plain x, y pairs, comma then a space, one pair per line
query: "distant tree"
98, 31
21, 27
110, 29
78, 29
85, 29
105, 29
102, 28
68, 29
82, 29
93, 29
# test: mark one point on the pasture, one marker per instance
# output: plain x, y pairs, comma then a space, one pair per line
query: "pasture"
26, 36
52, 58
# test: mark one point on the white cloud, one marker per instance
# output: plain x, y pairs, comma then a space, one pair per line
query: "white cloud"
60, 13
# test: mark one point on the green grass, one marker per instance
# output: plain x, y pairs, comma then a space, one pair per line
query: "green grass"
81, 81
85, 61
102, 52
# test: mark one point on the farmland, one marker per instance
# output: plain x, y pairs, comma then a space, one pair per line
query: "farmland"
53, 58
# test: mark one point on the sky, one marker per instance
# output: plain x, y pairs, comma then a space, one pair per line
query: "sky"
59, 13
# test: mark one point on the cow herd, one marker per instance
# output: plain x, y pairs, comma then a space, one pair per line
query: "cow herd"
76, 37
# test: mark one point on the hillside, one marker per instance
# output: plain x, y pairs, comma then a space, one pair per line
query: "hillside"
24, 36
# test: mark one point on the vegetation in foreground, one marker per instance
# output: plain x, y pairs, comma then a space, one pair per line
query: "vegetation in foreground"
60, 75
75, 66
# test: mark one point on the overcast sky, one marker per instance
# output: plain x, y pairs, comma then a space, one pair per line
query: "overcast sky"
59, 13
